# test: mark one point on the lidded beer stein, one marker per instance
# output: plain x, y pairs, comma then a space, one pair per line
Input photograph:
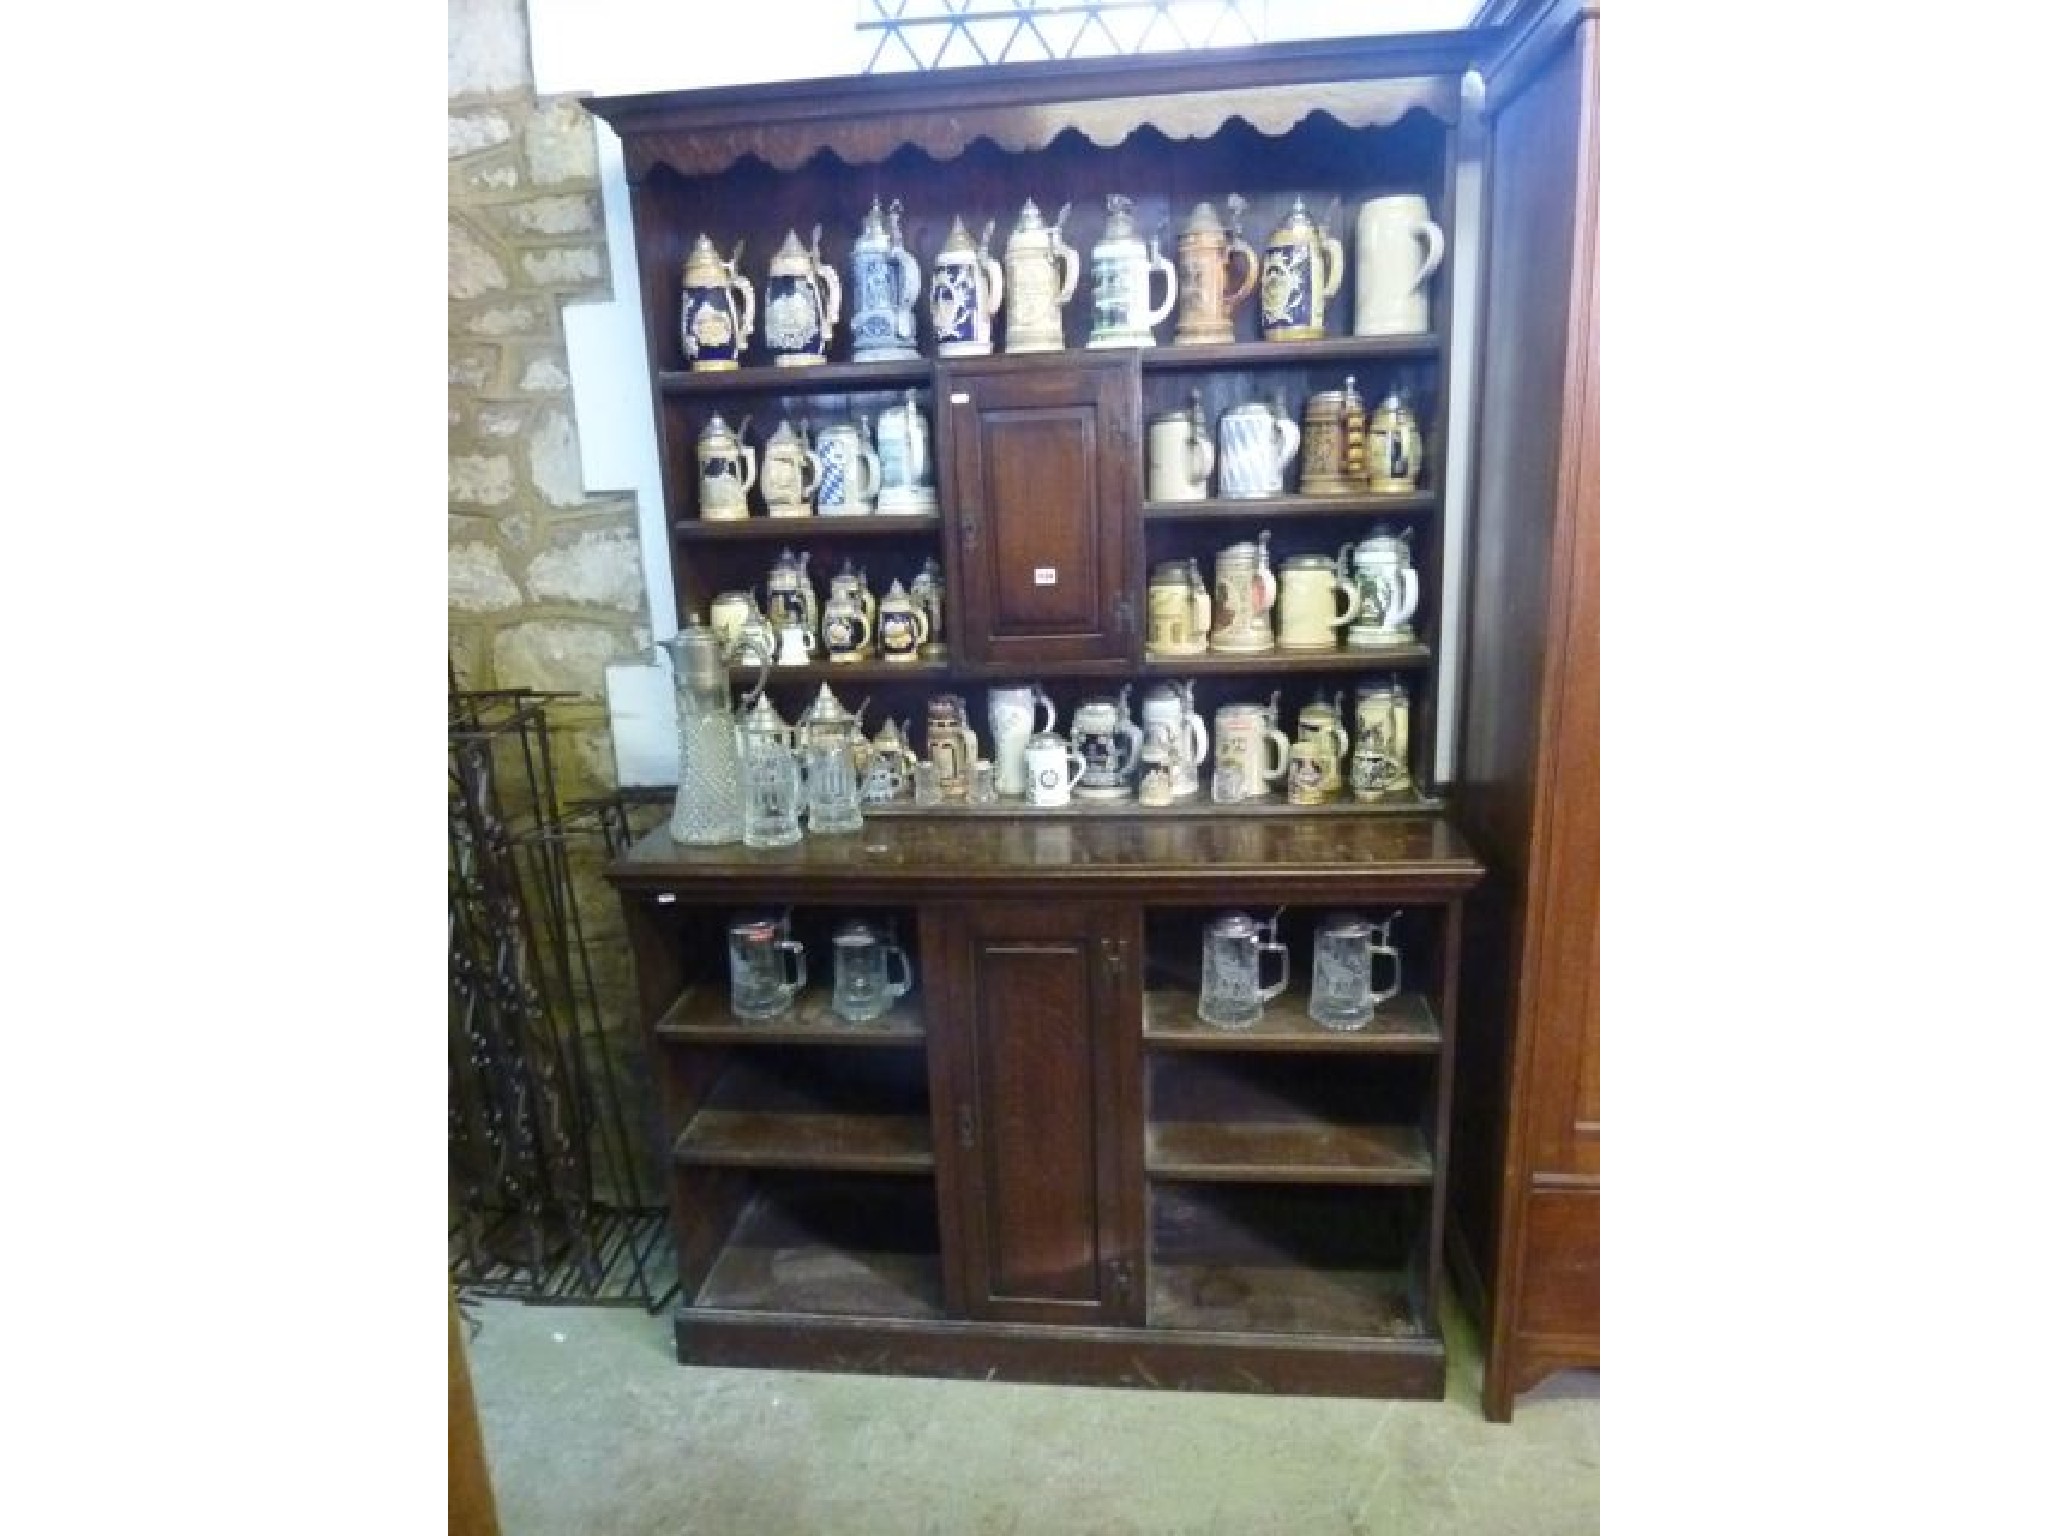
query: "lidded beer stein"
792, 600
730, 612
1233, 947
1207, 301
853, 585
1389, 590
849, 472
789, 472
1015, 715
1172, 724
1399, 247
1341, 994
767, 966
1179, 455
848, 632
1333, 442
1393, 446
1310, 586
718, 308
1109, 742
890, 762
1245, 593
826, 737
1379, 758
1302, 270
886, 283
967, 291
725, 471
950, 744
1177, 610
901, 627
772, 775
1321, 727
1251, 752
1257, 444
861, 960
1120, 272
928, 591
904, 438
1051, 770
803, 303
1042, 270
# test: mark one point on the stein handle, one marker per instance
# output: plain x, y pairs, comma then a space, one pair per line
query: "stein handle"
1161, 264
992, 283
1068, 261
867, 630
1204, 612
868, 474
748, 466
1079, 765
1409, 600
1201, 733
1290, 439
1134, 738
829, 308
1347, 600
1269, 947
1201, 455
736, 282
1050, 721
913, 440
1433, 236
1236, 296
1277, 740
921, 625
793, 948
806, 489
1333, 259
897, 988
913, 284
1393, 954
749, 648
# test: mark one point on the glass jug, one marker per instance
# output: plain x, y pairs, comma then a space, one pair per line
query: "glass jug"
710, 801
772, 776
861, 988
1232, 997
1341, 994
768, 968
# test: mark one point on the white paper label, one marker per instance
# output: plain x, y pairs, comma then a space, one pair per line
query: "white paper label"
1044, 576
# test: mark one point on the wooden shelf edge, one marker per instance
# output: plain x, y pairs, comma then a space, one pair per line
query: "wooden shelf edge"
1273, 1154
818, 378
770, 530
1405, 1025
701, 1016
842, 1143
1285, 508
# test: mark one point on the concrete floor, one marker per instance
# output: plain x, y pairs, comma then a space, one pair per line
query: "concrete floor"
592, 1429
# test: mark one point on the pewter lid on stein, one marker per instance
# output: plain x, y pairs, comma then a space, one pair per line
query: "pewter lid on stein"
1296, 222
1347, 925
762, 717
1236, 925
856, 934
958, 239
1029, 220
1309, 562
1120, 225
826, 709
1203, 221
1384, 537
715, 430
872, 230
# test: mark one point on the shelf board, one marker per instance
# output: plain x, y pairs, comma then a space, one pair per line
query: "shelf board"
1287, 1152
819, 378
1257, 1298
1200, 808
773, 530
1274, 354
793, 1252
836, 671
1404, 1024
1290, 508
853, 1143
702, 1016
1383, 658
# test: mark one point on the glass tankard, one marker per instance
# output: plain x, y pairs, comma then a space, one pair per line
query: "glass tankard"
861, 988
772, 777
767, 966
1231, 949
1341, 994
832, 788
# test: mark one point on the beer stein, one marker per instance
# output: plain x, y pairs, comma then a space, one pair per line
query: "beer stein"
1179, 455
772, 776
1302, 270
730, 612
1233, 949
849, 472
792, 600
950, 744
1393, 447
1051, 770
794, 646
1379, 758
1310, 617
861, 961
1399, 247
1333, 442
1251, 753
1257, 443
725, 471
718, 308
886, 283
1171, 722
803, 303
789, 473
928, 591
1120, 272
1389, 591
904, 438
1207, 301
1321, 725
1109, 742
847, 630
767, 966
1340, 992
1308, 774
1155, 774
1042, 270
831, 786
902, 626
890, 762
1015, 715
967, 291
1177, 612
1245, 593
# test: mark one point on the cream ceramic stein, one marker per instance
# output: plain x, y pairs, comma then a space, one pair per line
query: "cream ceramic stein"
1309, 613
1399, 247
725, 471
789, 473
1040, 271
1245, 590
1251, 754
1177, 610
1179, 456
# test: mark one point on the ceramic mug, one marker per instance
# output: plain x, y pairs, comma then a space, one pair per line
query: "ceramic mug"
1015, 716
1399, 247
849, 472
1179, 457
1052, 769
1251, 754
1257, 444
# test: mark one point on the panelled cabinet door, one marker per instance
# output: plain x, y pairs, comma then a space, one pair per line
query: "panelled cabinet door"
1038, 1110
1040, 466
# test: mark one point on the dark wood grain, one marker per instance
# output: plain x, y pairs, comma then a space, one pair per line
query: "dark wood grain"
1265, 1152
1291, 508
869, 1143
785, 530
865, 1248
703, 1016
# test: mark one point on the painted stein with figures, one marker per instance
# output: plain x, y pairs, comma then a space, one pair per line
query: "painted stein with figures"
803, 303
886, 283
1379, 743
1300, 273
1208, 301
1041, 270
789, 472
718, 308
725, 470
1120, 269
967, 292
1245, 592
1393, 447
1389, 590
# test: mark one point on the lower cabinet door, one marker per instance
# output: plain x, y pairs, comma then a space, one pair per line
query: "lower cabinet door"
1034, 1038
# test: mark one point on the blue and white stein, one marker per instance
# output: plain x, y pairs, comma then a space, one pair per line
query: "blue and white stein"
967, 291
849, 473
803, 304
886, 283
718, 308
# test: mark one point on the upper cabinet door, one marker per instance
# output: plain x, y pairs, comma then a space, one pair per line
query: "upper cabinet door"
1041, 480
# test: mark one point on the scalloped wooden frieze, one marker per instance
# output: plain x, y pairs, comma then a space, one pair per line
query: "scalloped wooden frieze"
1105, 122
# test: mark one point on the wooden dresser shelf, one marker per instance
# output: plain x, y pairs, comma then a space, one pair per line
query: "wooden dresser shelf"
1267, 1152
1404, 1024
